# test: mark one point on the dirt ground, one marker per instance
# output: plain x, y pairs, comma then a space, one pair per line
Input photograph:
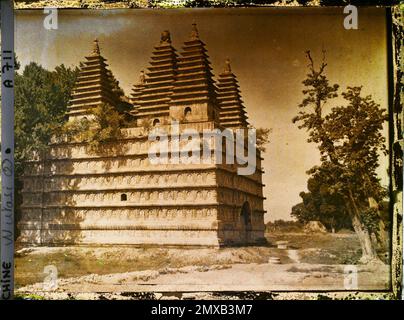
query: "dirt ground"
310, 262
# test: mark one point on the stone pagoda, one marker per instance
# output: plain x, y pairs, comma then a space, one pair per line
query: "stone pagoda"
73, 196
95, 85
232, 113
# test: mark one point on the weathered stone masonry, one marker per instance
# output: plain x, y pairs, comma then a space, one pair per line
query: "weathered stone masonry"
72, 196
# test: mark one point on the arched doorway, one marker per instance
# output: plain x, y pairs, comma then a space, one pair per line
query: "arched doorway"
187, 113
246, 226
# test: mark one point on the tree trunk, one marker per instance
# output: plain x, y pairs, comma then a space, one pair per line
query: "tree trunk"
368, 251
381, 236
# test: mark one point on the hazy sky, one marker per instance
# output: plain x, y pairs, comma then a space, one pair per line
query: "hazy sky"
266, 48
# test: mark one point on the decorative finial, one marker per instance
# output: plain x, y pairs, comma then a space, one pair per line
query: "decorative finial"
96, 48
194, 32
142, 78
165, 37
227, 68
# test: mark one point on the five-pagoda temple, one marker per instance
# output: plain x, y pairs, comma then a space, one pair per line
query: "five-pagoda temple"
73, 196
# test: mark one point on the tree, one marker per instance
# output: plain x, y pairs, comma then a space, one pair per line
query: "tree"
319, 205
349, 139
41, 99
262, 135
105, 126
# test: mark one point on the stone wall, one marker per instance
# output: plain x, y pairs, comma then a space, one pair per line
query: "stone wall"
118, 196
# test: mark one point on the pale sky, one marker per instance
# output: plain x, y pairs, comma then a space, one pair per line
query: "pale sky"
266, 48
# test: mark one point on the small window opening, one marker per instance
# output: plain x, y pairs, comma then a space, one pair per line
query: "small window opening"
187, 113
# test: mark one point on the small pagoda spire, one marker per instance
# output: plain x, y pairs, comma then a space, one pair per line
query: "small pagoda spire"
151, 96
232, 111
194, 84
227, 68
165, 37
96, 47
94, 86
142, 77
194, 33
137, 92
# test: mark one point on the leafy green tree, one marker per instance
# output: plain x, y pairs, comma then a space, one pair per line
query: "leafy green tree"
41, 99
76, 130
104, 126
319, 205
349, 139
262, 135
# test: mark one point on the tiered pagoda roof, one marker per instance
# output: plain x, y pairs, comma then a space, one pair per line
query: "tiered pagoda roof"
95, 85
152, 97
137, 93
232, 113
194, 82
187, 79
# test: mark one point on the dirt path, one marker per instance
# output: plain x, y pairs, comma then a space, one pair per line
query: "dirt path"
260, 277
309, 263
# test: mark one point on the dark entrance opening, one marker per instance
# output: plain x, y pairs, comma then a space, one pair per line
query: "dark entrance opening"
246, 222
187, 113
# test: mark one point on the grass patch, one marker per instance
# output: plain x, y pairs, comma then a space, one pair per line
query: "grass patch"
327, 249
80, 261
